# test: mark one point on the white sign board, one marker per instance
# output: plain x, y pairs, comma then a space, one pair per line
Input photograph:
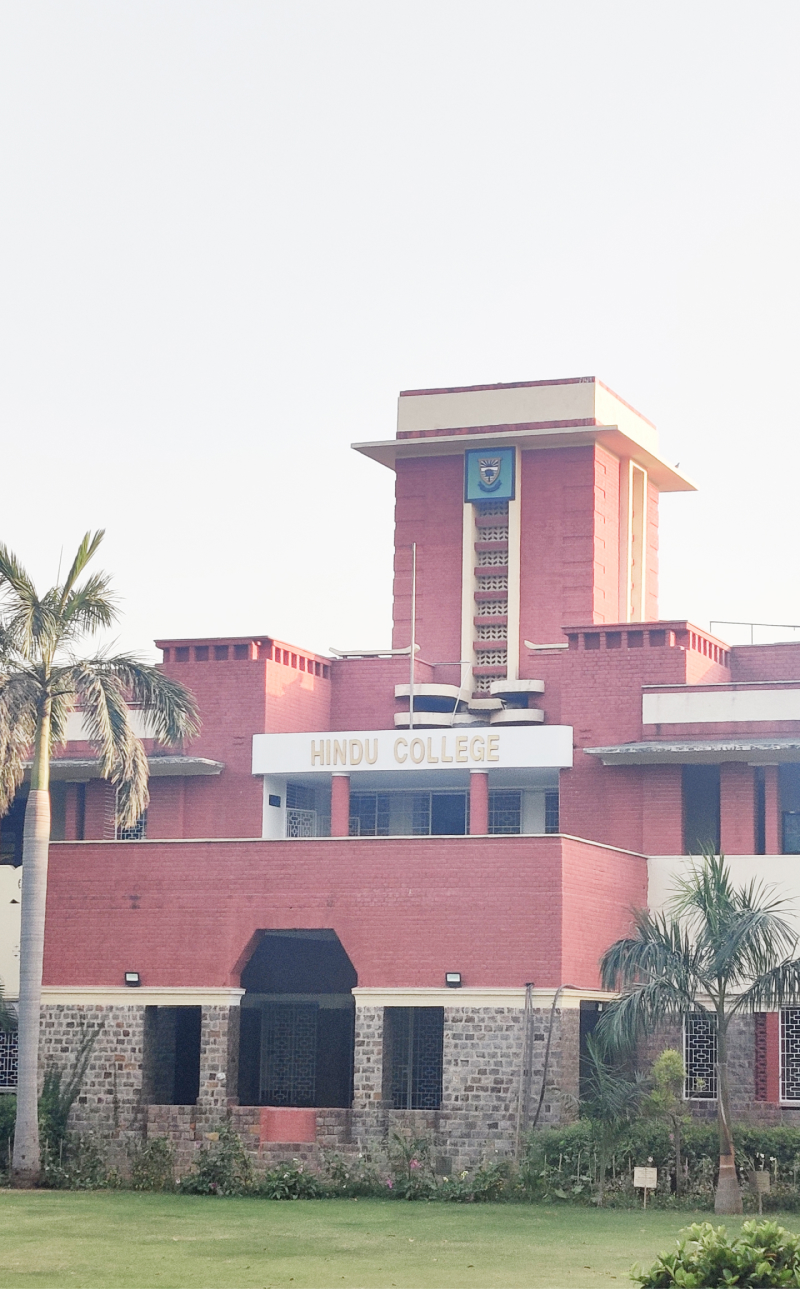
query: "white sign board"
646, 1177
474, 748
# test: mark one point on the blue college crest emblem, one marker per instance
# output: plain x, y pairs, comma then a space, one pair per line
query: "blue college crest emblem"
489, 473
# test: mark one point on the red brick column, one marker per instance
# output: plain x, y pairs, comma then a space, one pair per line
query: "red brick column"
773, 1028
340, 805
737, 809
478, 804
772, 811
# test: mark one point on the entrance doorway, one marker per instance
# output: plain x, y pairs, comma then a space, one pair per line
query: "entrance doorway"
297, 1021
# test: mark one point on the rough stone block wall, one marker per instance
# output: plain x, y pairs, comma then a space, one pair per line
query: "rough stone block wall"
482, 1080
219, 1058
109, 1102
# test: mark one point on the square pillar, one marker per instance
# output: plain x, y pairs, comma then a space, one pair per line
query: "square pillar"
478, 803
219, 1059
773, 831
737, 808
340, 805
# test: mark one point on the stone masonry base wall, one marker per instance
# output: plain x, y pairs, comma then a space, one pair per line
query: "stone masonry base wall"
482, 1083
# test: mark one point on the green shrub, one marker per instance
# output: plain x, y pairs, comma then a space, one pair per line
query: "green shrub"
223, 1167
8, 1116
412, 1174
491, 1182
77, 1164
354, 1177
761, 1256
152, 1165
290, 1181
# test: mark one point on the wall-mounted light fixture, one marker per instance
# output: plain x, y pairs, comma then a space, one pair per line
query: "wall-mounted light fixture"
452, 979
133, 979
274, 800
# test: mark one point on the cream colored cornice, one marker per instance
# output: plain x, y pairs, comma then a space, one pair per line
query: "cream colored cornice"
466, 996
139, 996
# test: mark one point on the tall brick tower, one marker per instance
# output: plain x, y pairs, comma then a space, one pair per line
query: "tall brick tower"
532, 507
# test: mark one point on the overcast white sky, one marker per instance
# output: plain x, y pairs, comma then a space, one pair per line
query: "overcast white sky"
232, 232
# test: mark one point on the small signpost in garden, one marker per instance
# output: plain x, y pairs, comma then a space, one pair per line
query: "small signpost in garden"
645, 1179
759, 1185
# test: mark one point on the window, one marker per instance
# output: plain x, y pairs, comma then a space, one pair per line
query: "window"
409, 814
413, 1042
288, 1054
505, 812
700, 808
220, 653
700, 1056
369, 814
201, 653
552, 822
790, 1054
8, 1060
171, 1055
308, 811
137, 831
760, 805
182, 653
789, 790
241, 652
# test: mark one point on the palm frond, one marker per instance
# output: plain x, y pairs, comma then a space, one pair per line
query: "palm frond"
739, 931
29, 623
171, 710
122, 758
611, 1096
661, 949
640, 1010
778, 987
13, 575
84, 553
19, 696
89, 609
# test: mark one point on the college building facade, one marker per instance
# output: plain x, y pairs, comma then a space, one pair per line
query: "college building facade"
374, 891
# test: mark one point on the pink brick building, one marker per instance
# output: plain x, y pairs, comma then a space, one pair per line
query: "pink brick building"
370, 891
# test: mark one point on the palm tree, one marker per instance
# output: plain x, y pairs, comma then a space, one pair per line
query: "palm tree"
41, 680
720, 950
611, 1099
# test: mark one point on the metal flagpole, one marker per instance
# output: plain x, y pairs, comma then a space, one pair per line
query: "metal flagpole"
413, 634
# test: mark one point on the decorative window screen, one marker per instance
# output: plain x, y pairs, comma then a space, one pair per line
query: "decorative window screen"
790, 1054
700, 1056
505, 812
289, 1054
495, 534
492, 608
8, 1059
414, 1038
492, 508
137, 831
301, 823
487, 559
488, 581
499, 632
492, 657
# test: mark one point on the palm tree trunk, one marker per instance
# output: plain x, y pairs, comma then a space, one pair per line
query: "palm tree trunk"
26, 1167
728, 1198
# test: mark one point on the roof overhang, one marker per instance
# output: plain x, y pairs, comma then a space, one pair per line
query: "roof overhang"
754, 751
665, 477
72, 769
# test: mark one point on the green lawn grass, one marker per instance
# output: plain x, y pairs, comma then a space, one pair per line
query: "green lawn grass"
111, 1239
